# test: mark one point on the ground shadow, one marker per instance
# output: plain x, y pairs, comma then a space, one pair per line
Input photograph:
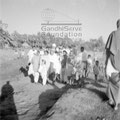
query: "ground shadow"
48, 98
7, 106
101, 94
98, 85
24, 71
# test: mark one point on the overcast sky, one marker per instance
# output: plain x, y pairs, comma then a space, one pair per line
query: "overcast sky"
98, 17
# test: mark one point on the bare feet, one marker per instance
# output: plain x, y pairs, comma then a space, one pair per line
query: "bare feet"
111, 102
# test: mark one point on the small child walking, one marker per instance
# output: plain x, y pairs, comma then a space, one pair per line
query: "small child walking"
96, 70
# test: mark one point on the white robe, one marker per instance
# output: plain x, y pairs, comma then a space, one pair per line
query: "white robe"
55, 59
30, 55
110, 69
113, 90
44, 67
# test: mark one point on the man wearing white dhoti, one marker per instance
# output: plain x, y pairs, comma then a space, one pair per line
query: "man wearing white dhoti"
113, 66
35, 64
56, 63
81, 63
44, 67
55, 66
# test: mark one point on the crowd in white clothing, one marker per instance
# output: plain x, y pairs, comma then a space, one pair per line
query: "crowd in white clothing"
61, 62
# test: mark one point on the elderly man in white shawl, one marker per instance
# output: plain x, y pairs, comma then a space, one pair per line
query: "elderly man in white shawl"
55, 65
33, 69
113, 66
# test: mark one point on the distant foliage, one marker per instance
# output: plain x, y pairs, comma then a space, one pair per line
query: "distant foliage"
47, 39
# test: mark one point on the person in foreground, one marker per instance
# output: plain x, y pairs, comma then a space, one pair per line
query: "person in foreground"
112, 66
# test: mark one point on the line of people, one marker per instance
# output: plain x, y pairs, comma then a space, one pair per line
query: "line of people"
46, 63
61, 64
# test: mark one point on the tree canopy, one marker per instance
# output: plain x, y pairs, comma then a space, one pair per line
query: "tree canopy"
47, 39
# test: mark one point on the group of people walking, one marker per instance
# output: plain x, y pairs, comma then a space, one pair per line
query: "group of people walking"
46, 63
63, 64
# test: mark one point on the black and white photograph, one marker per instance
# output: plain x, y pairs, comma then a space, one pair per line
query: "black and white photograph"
59, 59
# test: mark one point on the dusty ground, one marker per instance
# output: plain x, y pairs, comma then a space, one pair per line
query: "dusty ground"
83, 104
59, 102
30, 100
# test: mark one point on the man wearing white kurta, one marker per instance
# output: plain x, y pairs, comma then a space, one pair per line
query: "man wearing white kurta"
55, 66
35, 64
31, 54
30, 57
44, 67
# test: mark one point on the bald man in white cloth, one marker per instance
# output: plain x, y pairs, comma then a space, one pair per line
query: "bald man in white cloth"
113, 66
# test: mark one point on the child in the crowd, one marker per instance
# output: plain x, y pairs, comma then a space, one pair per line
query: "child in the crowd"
96, 70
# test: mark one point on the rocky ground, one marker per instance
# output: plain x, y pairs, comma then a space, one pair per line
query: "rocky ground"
50, 102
